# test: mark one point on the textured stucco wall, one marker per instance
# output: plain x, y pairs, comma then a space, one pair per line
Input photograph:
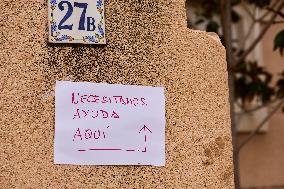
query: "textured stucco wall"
148, 44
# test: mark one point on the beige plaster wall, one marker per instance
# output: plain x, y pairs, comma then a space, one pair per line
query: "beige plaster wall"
148, 44
261, 160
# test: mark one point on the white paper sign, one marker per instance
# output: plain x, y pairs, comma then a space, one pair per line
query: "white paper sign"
103, 124
76, 21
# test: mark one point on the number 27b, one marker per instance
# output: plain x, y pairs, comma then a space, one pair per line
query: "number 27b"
90, 20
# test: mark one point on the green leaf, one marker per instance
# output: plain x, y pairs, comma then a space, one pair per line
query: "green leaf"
199, 21
280, 88
260, 3
235, 2
279, 42
235, 16
212, 26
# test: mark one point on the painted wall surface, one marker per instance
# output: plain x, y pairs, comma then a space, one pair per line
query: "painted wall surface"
148, 44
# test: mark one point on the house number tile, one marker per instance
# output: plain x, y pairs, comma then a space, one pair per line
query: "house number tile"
76, 21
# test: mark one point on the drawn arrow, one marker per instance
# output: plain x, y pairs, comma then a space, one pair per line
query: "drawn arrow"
144, 128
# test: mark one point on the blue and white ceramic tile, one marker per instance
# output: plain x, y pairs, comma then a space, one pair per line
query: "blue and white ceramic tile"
76, 21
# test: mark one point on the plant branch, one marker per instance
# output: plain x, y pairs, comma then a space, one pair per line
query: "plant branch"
268, 10
278, 12
253, 133
259, 20
249, 31
247, 10
275, 22
278, 22
262, 33
251, 26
